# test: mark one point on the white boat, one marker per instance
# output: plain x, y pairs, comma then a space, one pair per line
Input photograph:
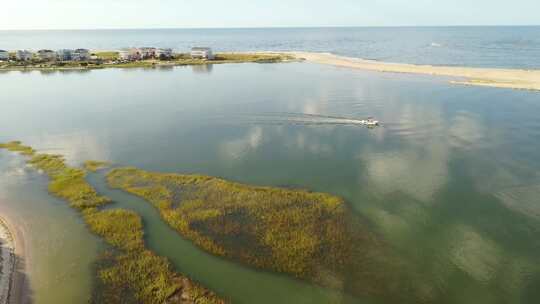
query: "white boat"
370, 122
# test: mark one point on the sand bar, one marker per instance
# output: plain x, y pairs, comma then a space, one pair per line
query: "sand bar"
500, 78
14, 288
8, 261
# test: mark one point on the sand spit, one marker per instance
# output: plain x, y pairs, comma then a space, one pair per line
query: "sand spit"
7, 262
499, 78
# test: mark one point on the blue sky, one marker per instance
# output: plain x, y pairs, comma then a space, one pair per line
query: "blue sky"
88, 14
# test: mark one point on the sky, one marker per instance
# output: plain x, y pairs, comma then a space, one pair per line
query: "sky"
98, 14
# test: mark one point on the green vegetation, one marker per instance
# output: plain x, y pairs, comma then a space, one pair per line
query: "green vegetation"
312, 236
253, 57
133, 274
68, 183
129, 273
16, 146
94, 165
107, 55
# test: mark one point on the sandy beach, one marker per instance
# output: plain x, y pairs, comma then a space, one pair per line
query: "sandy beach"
499, 78
13, 283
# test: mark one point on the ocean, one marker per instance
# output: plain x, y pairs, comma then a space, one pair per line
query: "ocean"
494, 47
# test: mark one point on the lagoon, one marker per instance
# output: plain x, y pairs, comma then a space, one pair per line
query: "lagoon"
449, 180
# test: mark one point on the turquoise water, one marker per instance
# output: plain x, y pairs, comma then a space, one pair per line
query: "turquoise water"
496, 46
450, 181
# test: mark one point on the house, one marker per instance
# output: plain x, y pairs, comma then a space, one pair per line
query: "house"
64, 55
164, 54
147, 52
46, 55
23, 55
4, 55
130, 54
80, 55
202, 53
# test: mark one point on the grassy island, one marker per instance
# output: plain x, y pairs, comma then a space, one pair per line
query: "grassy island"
128, 273
110, 59
94, 165
312, 236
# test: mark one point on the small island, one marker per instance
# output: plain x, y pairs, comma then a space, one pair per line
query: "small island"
83, 59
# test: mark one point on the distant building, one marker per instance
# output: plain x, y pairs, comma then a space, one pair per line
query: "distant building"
164, 53
130, 54
47, 55
147, 52
80, 55
23, 55
4, 55
202, 53
64, 55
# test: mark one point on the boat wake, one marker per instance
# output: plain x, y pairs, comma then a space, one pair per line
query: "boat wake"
305, 119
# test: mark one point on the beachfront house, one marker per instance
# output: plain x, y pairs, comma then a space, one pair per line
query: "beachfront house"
202, 53
80, 55
46, 55
164, 54
64, 55
23, 55
130, 54
4, 55
147, 52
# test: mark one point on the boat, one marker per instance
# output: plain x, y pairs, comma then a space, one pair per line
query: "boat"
370, 122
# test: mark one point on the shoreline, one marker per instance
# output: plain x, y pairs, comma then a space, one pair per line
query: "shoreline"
14, 287
471, 76
107, 63
487, 77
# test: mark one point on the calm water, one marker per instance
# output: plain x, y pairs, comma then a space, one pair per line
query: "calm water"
450, 181
510, 47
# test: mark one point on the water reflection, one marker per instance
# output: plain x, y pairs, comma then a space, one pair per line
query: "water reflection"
450, 179
202, 68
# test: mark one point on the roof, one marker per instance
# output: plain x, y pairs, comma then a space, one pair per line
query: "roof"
201, 49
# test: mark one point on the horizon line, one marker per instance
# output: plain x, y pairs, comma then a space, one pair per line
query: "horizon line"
269, 27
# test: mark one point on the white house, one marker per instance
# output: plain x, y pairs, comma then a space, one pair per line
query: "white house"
202, 53
164, 53
80, 55
47, 55
64, 55
23, 55
130, 54
4, 55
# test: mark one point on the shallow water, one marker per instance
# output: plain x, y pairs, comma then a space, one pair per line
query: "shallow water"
450, 180
59, 250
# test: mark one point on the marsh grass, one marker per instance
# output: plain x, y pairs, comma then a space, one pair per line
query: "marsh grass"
110, 55
311, 236
130, 273
17, 146
94, 165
